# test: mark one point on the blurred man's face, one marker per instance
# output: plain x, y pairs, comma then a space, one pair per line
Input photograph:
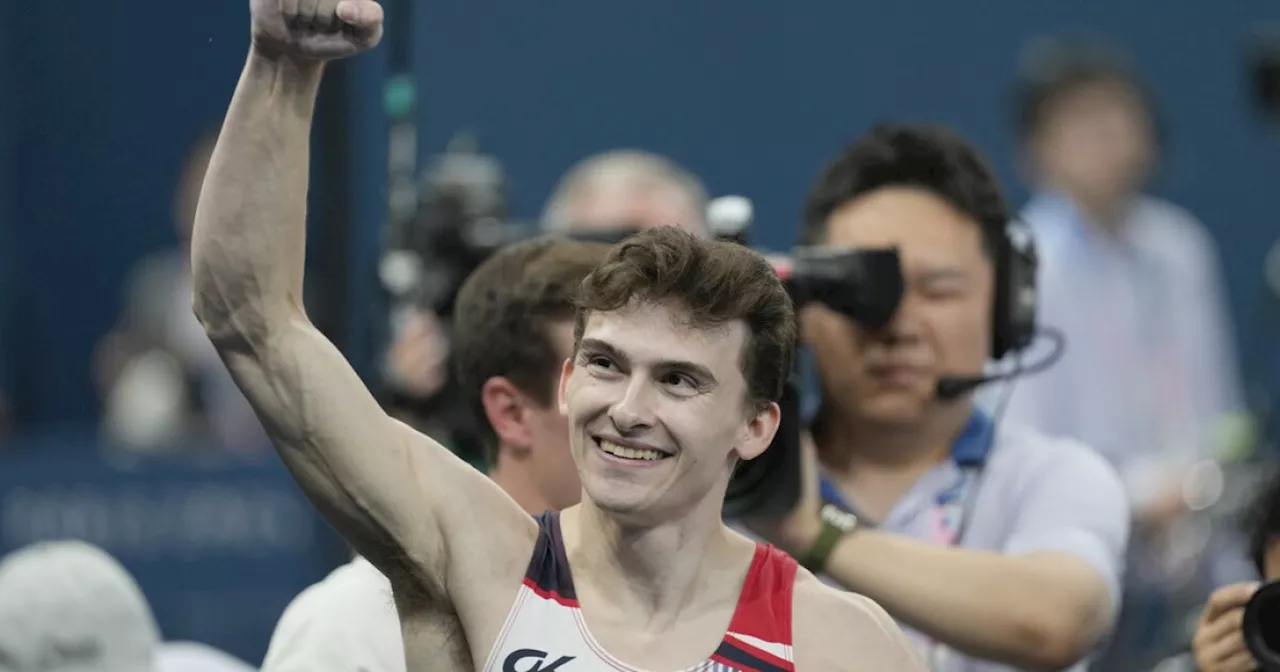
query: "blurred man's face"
634, 205
942, 327
1097, 142
550, 460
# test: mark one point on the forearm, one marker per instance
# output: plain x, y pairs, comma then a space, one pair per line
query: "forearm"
250, 230
1001, 608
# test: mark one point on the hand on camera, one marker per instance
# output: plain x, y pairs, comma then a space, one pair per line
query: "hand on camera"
315, 30
418, 363
1218, 644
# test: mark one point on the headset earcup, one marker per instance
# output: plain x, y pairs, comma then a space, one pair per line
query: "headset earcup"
1014, 307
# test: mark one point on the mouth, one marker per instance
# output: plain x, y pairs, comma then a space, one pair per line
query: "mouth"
898, 375
629, 451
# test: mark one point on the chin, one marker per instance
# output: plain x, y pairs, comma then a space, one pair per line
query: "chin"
623, 502
894, 409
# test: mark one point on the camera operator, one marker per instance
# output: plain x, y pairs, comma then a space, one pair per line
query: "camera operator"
514, 325
1219, 641
618, 189
992, 542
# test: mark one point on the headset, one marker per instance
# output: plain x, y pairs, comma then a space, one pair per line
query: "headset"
1013, 320
1013, 315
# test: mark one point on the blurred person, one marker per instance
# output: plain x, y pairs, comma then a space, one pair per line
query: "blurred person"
514, 327
1218, 644
159, 378
617, 189
68, 606
682, 349
998, 547
1150, 375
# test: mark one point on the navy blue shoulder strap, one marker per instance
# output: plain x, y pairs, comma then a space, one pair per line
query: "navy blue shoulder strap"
548, 571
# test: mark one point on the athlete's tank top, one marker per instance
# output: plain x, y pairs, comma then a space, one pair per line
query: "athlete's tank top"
545, 630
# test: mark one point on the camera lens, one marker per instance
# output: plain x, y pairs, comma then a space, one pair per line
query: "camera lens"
1262, 626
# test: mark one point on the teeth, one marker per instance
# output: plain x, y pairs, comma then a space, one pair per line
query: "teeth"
630, 453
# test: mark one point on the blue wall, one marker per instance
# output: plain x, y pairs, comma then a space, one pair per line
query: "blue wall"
755, 96
751, 95
110, 99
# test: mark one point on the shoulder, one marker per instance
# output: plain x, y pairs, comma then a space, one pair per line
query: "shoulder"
349, 614
1033, 457
834, 628
1172, 231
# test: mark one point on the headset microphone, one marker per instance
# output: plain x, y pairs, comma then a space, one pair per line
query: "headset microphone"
953, 387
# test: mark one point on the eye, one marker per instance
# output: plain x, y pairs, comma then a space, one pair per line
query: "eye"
679, 381
599, 362
942, 292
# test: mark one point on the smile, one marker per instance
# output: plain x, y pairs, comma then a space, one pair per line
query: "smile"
629, 452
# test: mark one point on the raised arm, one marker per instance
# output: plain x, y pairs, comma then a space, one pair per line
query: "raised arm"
402, 500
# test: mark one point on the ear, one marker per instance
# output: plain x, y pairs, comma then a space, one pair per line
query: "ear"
759, 432
505, 408
562, 393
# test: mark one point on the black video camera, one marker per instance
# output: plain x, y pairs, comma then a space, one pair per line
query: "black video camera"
866, 286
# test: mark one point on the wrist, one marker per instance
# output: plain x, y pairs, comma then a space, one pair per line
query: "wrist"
265, 59
833, 526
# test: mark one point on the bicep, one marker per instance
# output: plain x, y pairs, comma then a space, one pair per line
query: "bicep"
386, 488
1074, 521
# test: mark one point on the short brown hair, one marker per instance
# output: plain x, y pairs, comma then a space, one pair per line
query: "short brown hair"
717, 282
504, 308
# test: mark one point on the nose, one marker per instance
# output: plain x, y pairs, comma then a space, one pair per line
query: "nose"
633, 413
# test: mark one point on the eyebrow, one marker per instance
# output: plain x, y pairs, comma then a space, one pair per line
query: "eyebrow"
598, 347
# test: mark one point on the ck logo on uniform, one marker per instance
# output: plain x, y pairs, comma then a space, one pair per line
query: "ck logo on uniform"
539, 659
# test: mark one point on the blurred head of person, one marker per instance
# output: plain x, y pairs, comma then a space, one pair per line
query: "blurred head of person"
1087, 126
190, 181
627, 189
930, 194
513, 330
67, 606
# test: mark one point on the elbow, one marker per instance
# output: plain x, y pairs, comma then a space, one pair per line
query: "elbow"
1057, 638
233, 325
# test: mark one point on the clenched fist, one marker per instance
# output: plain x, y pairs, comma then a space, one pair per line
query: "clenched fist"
316, 30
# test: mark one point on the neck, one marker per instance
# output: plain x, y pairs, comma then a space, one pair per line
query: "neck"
519, 484
1105, 213
654, 570
848, 443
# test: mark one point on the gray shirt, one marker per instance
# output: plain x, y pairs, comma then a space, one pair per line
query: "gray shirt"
1013, 490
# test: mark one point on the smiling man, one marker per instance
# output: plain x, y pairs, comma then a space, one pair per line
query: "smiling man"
682, 349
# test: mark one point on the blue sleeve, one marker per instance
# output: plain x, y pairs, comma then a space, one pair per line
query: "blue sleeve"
1076, 504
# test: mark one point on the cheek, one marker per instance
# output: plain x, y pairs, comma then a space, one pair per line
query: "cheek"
831, 337
963, 332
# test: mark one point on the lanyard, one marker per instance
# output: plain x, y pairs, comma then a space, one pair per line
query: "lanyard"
951, 510
951, 515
